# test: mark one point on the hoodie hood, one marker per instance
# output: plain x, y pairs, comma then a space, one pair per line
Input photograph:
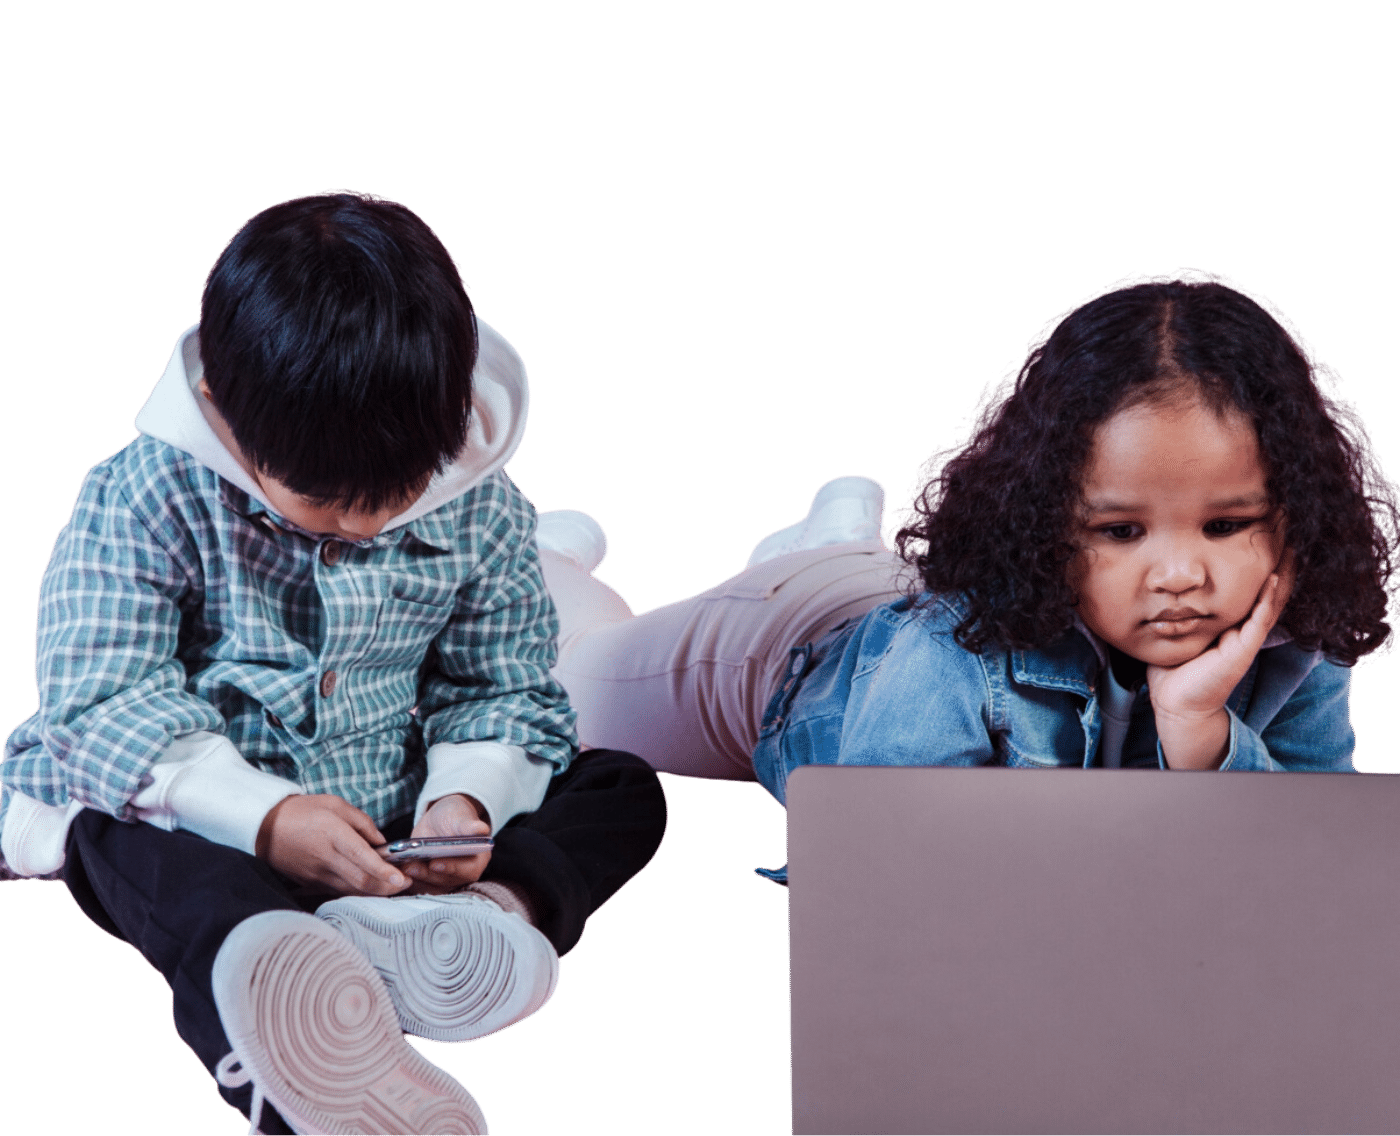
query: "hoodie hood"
177, 414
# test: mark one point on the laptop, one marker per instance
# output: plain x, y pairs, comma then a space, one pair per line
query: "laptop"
1007, 950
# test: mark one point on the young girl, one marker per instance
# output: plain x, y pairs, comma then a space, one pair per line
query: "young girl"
1164, 548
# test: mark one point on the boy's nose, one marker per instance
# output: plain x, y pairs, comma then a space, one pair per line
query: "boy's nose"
360, 526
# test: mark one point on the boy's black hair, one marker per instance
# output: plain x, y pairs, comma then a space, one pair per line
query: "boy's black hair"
997, 524
338, 344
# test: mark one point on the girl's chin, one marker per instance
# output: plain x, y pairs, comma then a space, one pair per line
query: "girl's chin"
1161, 651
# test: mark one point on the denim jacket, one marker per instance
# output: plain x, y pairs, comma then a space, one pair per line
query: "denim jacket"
895, 688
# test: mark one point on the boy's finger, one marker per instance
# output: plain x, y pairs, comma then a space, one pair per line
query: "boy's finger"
360, 822
363, 882
452, 872
461, 869
376, 873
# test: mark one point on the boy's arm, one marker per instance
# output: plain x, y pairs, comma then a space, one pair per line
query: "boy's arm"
116, 729
503, 780
496, 723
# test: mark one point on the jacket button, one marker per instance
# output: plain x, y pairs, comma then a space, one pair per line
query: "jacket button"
328, 681
330, 553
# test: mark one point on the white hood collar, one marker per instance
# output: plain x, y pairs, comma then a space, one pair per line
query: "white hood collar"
500, 402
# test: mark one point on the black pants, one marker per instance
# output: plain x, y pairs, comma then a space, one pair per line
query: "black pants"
175, 896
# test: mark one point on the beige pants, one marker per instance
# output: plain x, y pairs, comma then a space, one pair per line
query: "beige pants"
685, 686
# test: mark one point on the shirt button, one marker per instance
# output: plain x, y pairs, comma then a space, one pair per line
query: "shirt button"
328, 684
273, 719
330, 553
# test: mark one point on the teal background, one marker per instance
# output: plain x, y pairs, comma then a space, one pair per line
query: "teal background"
728, 239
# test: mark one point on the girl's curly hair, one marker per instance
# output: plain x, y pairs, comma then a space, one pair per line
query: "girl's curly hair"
997, 524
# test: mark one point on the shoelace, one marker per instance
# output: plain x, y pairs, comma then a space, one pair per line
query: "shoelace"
230, 1073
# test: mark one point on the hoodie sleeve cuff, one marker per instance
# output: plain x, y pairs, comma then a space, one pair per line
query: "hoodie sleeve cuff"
504, 778
34, 835
202, 784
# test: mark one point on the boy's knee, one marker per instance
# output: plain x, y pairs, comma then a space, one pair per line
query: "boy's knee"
613, 768
631, 780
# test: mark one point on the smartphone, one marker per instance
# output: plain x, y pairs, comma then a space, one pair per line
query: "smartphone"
431, 847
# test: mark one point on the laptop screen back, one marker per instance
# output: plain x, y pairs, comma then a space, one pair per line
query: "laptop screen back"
994, 950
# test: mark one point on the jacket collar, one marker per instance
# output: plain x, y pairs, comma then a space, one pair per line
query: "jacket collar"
174, 413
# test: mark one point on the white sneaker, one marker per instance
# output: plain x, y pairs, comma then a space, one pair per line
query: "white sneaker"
575, 536
847, 509
456, 966
312, 1028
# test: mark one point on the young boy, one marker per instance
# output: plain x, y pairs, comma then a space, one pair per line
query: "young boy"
300, 616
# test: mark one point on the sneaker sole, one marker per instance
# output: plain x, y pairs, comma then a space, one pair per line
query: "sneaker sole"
575, 536
451, 978
311, 1022
844, 510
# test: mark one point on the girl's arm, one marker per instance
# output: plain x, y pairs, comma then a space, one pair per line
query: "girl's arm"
1188, 701
916, 698
1311, 730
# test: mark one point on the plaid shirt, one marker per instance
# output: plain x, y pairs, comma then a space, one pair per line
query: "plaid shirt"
175, 602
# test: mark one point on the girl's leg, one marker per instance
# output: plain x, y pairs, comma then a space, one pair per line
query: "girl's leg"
685, 686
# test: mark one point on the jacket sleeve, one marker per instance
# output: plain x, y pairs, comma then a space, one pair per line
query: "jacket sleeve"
1310, 732
111, 690
488, 678
892, 720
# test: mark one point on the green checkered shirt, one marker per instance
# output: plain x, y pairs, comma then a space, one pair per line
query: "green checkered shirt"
175, 602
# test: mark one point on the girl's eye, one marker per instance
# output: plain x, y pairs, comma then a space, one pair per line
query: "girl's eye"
1225, 527
1120, 532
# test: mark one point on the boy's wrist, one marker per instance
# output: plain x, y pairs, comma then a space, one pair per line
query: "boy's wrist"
478, 810
265, 830
503, 780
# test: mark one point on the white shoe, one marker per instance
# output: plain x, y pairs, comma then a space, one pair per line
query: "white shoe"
575, 536
456, 966
847, 509
312, 1028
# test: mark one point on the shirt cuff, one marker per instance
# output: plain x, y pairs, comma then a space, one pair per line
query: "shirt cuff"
202, 784
504, 778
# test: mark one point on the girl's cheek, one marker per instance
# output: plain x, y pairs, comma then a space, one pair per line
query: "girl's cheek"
1264, 543
1078, 569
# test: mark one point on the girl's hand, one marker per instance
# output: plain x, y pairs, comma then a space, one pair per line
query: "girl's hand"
453, 815
1188, 700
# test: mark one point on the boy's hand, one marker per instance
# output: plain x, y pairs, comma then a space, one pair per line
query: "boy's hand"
1188, 700
323, 839
453, 815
